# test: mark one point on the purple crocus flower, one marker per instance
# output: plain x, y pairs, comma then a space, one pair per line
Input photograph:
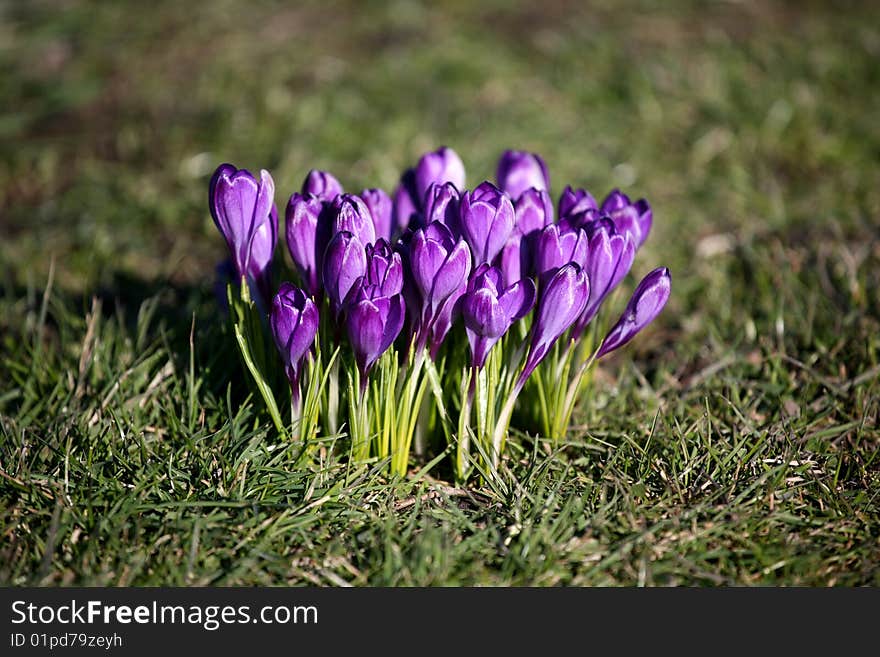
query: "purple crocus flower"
489, 309
439, 264
519, 171
440, 166
344, 263
646, 303
633, 218
244, 211
380, 206
487, 218
321, 184
534, 210
308, 226
353, 215
610, 258
574, 201
556, 247
294, 323
441, 204
373, 323
562, 301
384, 271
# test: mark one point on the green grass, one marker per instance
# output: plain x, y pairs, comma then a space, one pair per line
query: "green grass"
734, 443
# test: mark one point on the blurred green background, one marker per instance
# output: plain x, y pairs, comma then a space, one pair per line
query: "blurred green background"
749, 410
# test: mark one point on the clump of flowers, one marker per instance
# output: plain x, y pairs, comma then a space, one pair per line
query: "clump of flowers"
449, 315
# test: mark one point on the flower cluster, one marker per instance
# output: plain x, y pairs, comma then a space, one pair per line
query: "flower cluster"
465, 293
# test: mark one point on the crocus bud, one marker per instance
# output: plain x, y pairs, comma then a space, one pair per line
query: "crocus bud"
562, 300
573, 201
384, 272
307, 232
519, 171
373, 324
440, 166
556, 247
486, 217
294, 323
344, 263
353, 215
489, 309
646, 303
439, 264
610, 258
633, 218
380, 207
321, 184
441, 204
243, 209
534, 210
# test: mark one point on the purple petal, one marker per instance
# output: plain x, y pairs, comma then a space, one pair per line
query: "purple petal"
344, 262
366, 330
380, 207
534, 210
441, 205
301, 236
487, 219
483, 314
518, 299
575, 201
562, 300
440, 166
449, 277
353, 215
519, 170
321, 184
646, 303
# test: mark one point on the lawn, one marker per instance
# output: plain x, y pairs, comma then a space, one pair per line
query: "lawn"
735, 442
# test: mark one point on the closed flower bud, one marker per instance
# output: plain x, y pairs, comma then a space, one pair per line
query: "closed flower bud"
645, 304
384, 273
562, 301
610, 258
633, 218
380, 206
440, 166
441, 204
307, 232
555, 248
519, 171
489, 309
243, 209
344, 263
487, 218
373, 325
294, 323
353, 215
439, 265
321, 184
534, 211
574, 201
